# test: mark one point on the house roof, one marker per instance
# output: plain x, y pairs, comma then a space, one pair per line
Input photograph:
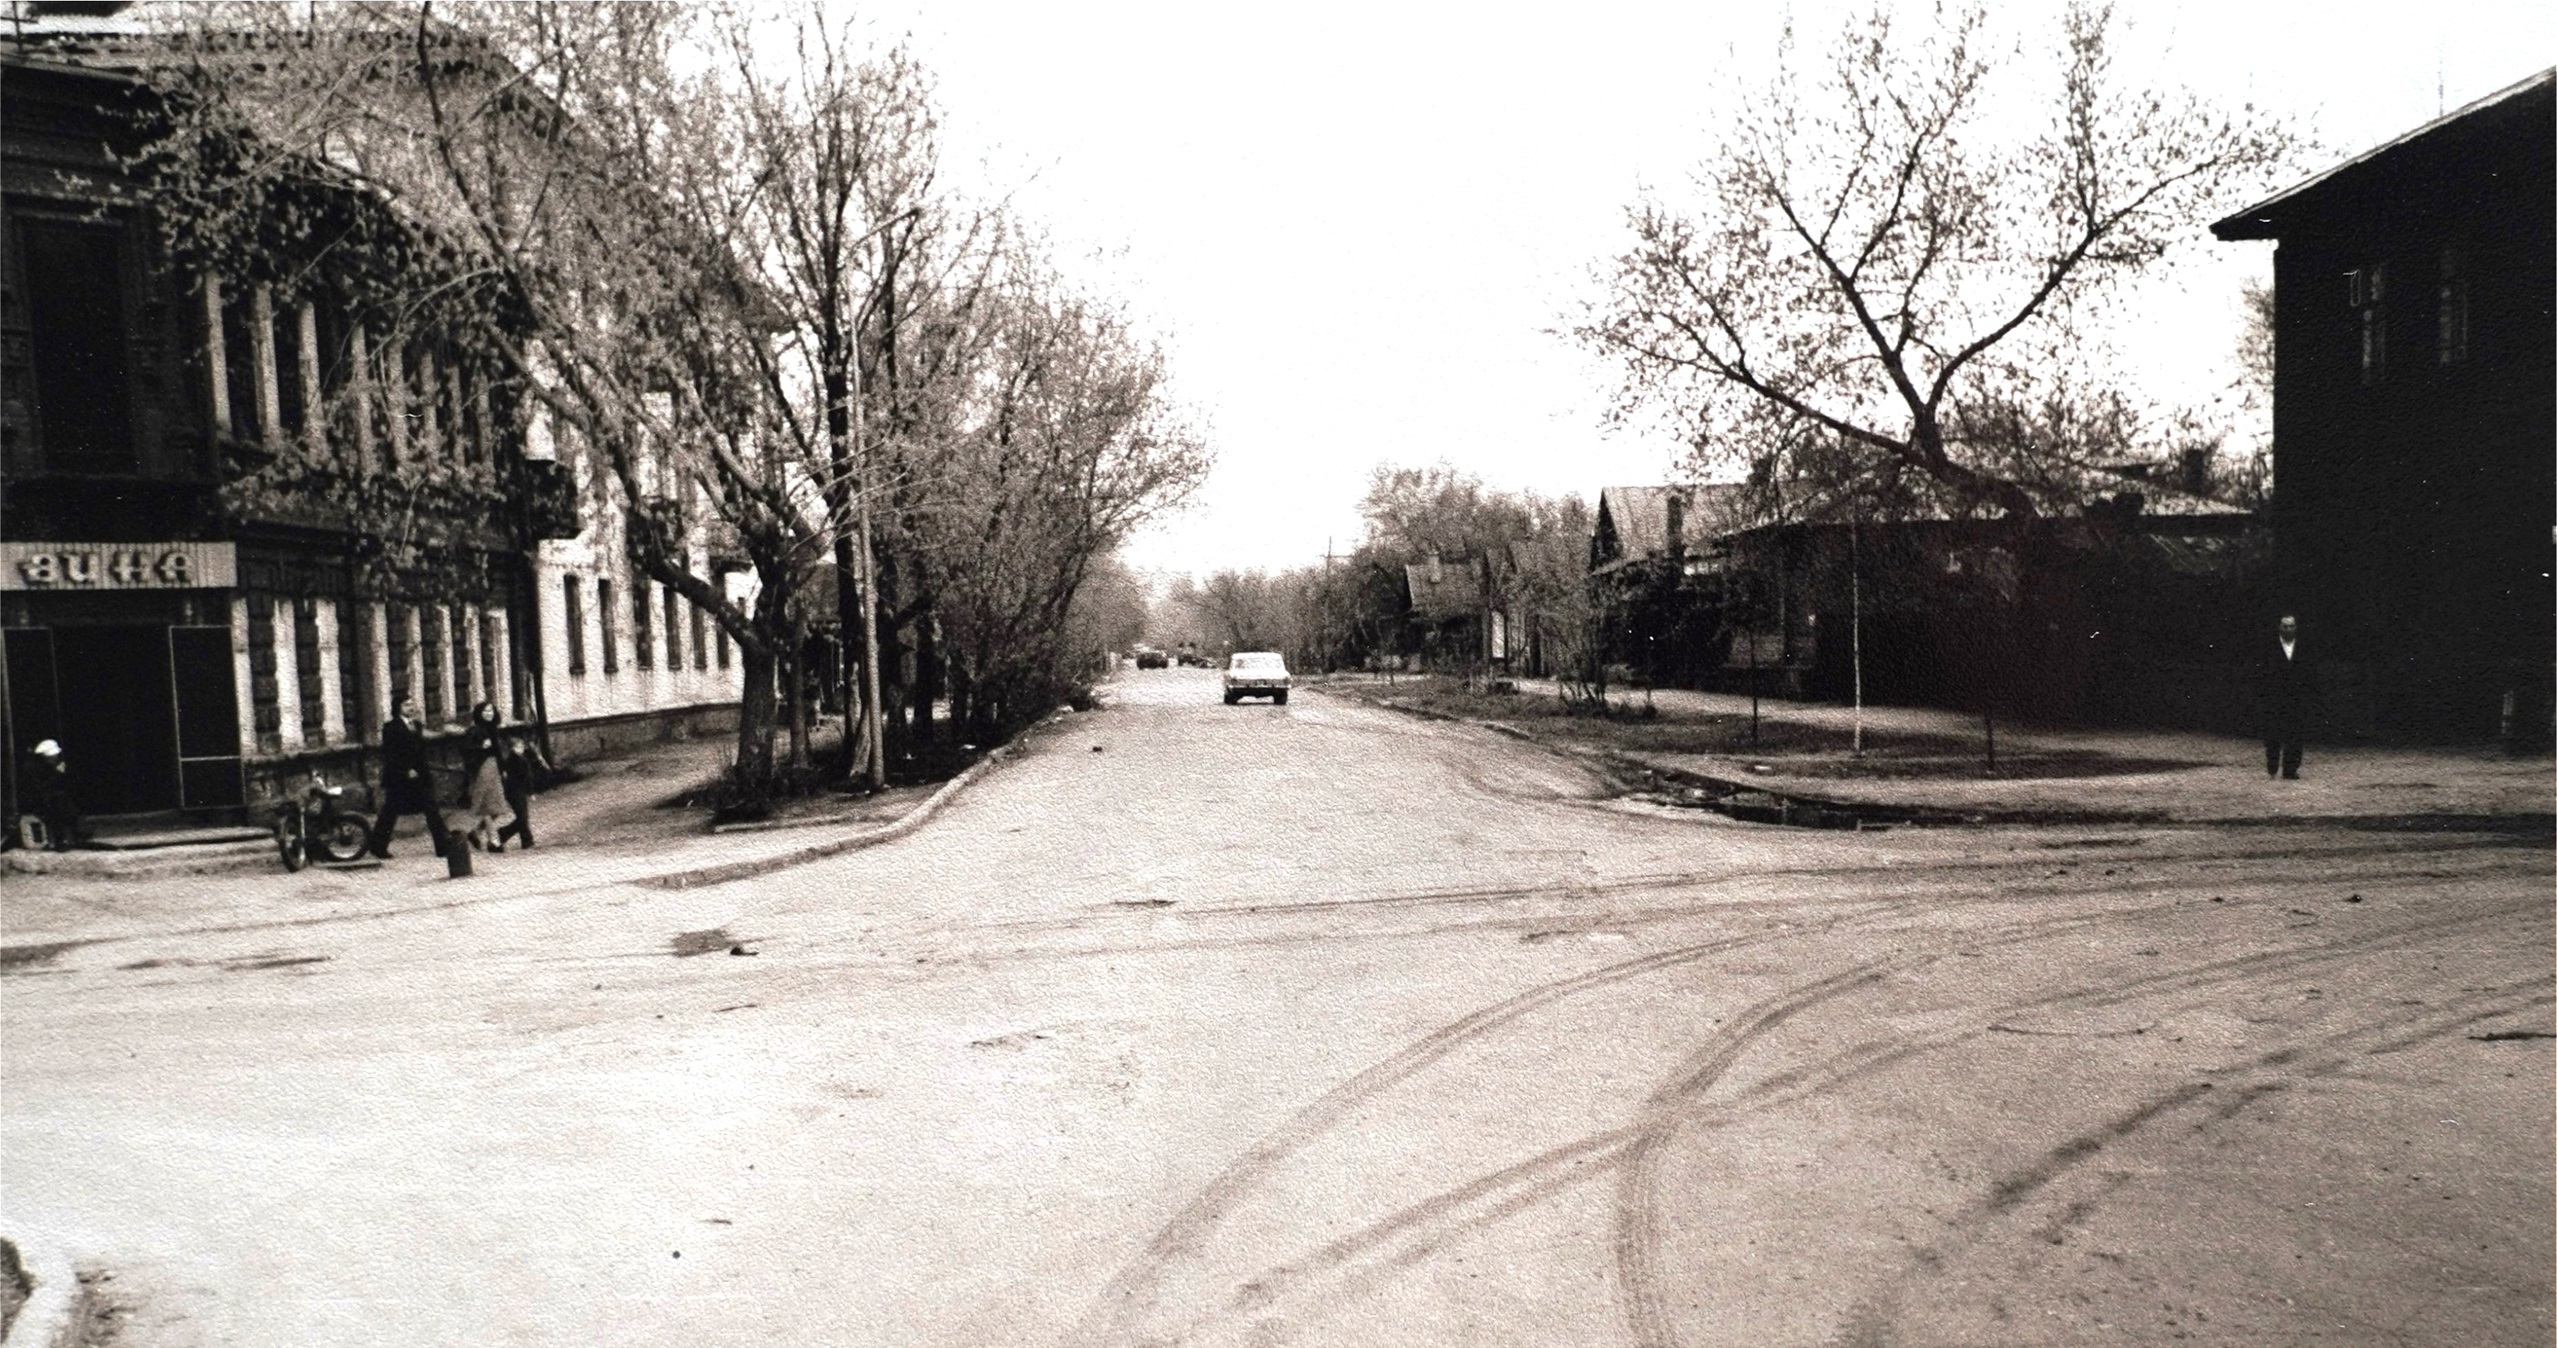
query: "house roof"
2263, 220
1639, 516
1443, 590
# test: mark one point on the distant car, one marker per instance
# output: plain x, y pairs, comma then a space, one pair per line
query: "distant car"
1190, 655
1256, 674
1149, 658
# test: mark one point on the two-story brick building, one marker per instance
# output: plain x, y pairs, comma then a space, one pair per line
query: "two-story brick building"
2413, 428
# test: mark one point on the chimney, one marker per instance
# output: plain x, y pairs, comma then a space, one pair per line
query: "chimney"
1435, 573
2195, 475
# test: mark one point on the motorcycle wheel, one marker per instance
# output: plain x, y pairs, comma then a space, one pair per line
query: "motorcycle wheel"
343, 838
289, 842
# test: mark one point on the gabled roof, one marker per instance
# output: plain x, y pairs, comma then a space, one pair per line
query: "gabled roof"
1638, 517
1445, 589
2262, 220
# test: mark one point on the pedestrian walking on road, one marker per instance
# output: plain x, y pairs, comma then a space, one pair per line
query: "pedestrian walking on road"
2285, 691
408, 780
485, 786
44, 791
518, 762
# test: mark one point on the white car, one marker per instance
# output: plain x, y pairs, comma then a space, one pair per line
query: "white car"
1256, 674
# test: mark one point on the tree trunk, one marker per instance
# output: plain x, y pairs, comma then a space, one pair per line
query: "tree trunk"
755, 716
895, 683
929, 676
798, 667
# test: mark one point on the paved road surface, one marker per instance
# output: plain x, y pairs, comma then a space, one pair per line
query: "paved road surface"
1320, 1025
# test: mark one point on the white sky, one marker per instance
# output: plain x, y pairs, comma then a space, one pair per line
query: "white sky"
1353, 225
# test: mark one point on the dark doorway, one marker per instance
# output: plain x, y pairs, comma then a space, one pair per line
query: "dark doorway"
208, 716
35, 709
119, 724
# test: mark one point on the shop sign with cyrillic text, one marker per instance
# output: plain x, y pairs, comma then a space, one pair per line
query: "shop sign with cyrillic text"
118, 566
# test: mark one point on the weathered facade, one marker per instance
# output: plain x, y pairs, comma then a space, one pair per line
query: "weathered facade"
1448, 613
624, 659
245, 507
1655, 574
2122, 616
2413, 427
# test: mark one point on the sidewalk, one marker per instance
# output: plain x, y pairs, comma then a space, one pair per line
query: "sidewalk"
605, 829
1930, 760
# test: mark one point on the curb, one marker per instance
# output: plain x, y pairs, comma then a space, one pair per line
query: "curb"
1761, 801
144, 864
915, 818
56, 1311
1783, 800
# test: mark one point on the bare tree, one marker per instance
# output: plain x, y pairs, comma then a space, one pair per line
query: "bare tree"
1066, 447
728, 282
1869, 256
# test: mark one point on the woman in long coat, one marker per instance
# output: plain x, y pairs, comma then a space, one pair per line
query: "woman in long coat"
481, 748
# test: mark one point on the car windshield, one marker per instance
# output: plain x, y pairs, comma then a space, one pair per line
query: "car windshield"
1257, 660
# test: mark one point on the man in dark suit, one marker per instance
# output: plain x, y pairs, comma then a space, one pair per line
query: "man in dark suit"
408, 780
2286, 689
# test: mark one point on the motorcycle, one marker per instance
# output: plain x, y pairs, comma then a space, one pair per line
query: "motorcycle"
315, 823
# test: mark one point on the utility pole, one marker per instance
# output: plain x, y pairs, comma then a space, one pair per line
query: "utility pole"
1855, 620
870, 722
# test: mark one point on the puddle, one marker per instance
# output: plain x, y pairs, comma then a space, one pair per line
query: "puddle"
14, 958
1757, 805
685, 944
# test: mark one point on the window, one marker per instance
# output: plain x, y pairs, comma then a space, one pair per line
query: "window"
463, 701
266, 706
290, 412
643, 639
355, 670
306, 670
431, 679
674, 630
701, 642
399, 640
2369, 287
74, 281
573, 612
604, 634
488, 656
2453, 348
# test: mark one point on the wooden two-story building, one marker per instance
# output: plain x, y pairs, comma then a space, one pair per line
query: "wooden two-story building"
2414, 434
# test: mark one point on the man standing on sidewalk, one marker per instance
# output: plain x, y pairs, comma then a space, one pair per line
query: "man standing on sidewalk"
408, 780
2285, 690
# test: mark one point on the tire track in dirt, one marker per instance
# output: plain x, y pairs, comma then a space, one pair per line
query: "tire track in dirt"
1129, 1297
2330, 1054
1637, 1216
1417, 1230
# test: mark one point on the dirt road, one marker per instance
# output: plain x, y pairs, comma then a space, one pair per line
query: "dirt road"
1321, 1025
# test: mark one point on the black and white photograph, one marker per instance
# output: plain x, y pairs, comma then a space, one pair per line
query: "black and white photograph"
1118, 674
